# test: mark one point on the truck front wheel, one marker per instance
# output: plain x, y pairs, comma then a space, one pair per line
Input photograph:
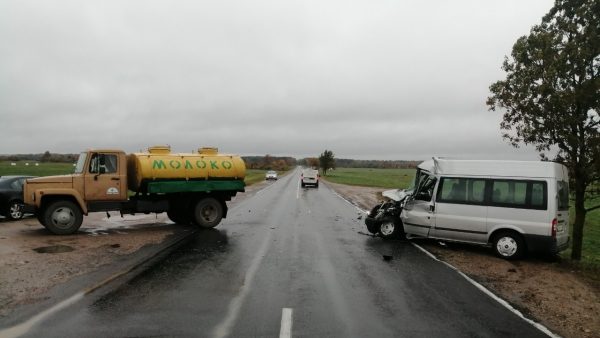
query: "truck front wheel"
62, 217
208, 212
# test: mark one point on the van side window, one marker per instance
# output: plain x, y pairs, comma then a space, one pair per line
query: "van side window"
461, 190
509, 192
425, 189
537, 195
519, 194
563, 195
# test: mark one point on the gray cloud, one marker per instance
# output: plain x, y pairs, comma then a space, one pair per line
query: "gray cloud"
367, 79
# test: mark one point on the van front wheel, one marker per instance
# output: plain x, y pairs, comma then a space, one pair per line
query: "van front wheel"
391, 228
509, 245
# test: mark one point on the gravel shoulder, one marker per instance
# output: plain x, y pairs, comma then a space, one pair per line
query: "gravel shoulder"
542, 288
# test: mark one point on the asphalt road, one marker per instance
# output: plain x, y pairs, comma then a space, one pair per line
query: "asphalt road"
291, 260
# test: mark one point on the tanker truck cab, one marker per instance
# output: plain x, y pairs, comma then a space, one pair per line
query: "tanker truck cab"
192, 188
512, 206
104, 175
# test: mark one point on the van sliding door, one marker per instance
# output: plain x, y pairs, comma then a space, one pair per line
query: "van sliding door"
460, 213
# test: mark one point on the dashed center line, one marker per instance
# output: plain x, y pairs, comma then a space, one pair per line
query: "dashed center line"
286, 323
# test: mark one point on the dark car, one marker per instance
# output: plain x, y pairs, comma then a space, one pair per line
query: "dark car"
11, 196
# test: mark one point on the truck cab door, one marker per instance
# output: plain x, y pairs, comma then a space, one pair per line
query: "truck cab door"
418, 214
105, 179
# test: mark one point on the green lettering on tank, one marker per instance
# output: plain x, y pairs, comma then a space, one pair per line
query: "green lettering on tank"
200, 164
188, 165
158, 164
175, 164
213, 165
226, 165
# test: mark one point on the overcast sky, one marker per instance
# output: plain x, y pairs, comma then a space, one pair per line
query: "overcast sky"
372, 79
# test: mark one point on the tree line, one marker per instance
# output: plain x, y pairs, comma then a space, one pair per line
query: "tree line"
43, 157
268, 162
371, 164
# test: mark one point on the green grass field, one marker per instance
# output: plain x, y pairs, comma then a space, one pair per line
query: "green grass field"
257, 175
402, 178
590, 255
254, 176
43, 169
383, 178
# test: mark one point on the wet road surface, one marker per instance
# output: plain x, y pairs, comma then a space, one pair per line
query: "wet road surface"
297, 252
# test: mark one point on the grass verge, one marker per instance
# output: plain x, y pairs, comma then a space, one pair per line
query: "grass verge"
367, 177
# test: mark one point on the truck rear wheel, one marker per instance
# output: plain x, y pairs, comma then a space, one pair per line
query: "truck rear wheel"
207, 212
62, 217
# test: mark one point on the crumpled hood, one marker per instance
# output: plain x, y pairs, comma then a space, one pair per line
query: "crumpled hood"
396, 194
51, 179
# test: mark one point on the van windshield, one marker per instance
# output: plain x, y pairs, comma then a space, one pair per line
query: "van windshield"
563, 195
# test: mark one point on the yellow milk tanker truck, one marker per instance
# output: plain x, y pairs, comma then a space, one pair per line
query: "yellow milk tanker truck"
191, 188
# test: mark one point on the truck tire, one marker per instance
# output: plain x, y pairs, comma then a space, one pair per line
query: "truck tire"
207, 212
62, 217
508, 245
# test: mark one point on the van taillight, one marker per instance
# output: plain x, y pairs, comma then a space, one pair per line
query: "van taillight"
554, 224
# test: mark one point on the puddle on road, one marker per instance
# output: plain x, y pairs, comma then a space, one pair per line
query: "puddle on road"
54, 249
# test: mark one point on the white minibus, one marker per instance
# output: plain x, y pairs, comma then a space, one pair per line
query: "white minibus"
514, 206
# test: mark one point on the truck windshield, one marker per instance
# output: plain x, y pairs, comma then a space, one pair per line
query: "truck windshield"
80, 163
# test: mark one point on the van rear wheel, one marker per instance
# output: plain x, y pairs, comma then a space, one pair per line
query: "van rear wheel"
509, 245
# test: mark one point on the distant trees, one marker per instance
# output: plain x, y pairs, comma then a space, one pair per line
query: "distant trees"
326, 161
551, 96
352, 163
379, 164
311, 162
45, 157
269, 162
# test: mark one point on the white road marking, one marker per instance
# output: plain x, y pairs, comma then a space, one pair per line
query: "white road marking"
298, 191
224, 328
286, 323
24, 327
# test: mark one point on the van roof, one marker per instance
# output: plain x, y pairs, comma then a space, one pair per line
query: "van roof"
443, 166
